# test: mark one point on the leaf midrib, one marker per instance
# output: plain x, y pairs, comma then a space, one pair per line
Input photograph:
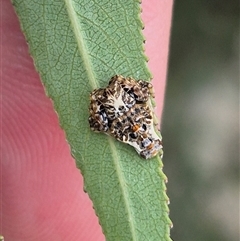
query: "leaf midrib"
80, 42
89, 70
122, 181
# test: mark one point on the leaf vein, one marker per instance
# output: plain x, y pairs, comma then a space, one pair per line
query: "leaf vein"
80, 42
124, 191
108, 37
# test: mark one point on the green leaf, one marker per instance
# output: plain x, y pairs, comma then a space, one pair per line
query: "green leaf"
78, 46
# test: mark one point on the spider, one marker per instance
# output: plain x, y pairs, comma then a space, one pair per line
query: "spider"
122, 110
